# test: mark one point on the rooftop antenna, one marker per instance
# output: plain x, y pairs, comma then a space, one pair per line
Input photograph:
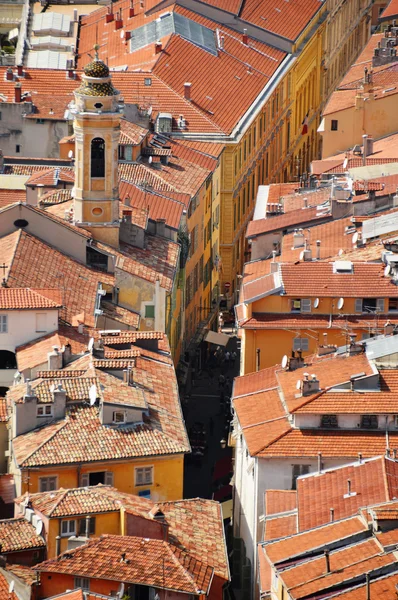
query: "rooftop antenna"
4, 267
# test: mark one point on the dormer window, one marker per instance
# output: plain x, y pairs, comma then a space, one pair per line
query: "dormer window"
119, 416
44, 410
329, 421
369, 422
301, 305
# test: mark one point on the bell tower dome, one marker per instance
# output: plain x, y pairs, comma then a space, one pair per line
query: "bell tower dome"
97, 113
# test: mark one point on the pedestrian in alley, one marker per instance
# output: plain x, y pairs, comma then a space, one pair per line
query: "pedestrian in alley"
228, 386
221, 381
227, 358
233, 358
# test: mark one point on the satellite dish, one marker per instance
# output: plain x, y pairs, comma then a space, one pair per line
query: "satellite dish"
355, 237
302, 255
122, 34
92, 394
70, 154
298, 384
284, 362
341, 252
387, 270
316, 302
120, 591
90, 344
11, 587
340, 303
39, 527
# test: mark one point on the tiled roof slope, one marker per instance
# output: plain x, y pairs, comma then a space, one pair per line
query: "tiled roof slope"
8, 197
390, 12
159, 204
372, 481
310, 279
5, 590
280, 222
280, 527
147, 562
37, 265
131, 133
384, 588
279, 501
27, 299
19, 534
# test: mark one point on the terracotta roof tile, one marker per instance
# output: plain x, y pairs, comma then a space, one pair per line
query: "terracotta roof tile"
390, 11
27, 299
52, 177
305, 321
3, 411
283, 221
264, 379
131, 133
148, 562
372, 481
8, 197
160, 206
255, 289
383, 588
56, 197
279, 501
24, 573
4, 589
7, 488
280, 527
19, 534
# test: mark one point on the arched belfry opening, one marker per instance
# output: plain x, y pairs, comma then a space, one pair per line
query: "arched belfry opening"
97, 157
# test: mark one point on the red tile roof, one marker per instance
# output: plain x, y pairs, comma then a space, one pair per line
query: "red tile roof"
279, 501
159, 204
280, 527
264, 379
390, 12
27, 299
5, 589
384, 588
372, 481
7, 488
131, 133
8, 197
283, 221
258, 288
147, 562
52, 177
19, 534
306, 321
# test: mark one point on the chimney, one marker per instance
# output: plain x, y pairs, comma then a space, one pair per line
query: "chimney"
160, 227
367, 577
319, 462
258, 356
318, 249
88, 518
359, 100
310, 385
9, 74
109, 16
298, 238
327, 560
360, 457
127, 36
365, 148
158, 47
20, 70
125, 376
118, 20
29, 394
245, 39
71, 74
130, 375
187, 91
348, 487
54, 359
58, 545
331, 510
80, 328
274, 263
131, 11
305, 202
307, 255
59, 395
369, 143
221, 42
18, 92
75, 15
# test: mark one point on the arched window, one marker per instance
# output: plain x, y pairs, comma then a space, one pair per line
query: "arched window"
97, 157
7, 360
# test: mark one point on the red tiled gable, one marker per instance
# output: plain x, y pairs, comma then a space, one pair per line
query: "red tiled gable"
147, 562
160, 206
52, 177
345, 564
258, 288
37, 265
19, 534
8, 197
280, 527
27, 299
316, 279
279, 501
280, 222
390, 12
331, 444
372, 481
315, 539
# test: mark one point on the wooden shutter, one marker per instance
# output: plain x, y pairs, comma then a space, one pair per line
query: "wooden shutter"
358, 304
84, 480
306, 305
109, 478
380, 304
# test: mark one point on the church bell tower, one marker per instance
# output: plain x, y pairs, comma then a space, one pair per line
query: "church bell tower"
97, 113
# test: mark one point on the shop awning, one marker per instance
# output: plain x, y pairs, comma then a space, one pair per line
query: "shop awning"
219, 339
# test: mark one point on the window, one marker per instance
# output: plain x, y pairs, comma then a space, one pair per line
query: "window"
149, 311
329, 421
3, 323
369, 422
144, 476
68, 528
301, 305
96, 260
104, 477
82, 582
298, 470
119, 416
393, 305
44, 410
334, 125
145, 494
47, 484
147, 81
300, 344
369, 305
41, 319
97, 157
82, 526
40, 121
18, 148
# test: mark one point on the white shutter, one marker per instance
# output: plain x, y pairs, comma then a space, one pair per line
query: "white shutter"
380, 305
358, 304
306, 305
109, 478
84, 480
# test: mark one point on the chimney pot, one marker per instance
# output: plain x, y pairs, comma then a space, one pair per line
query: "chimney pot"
331, 515
18, 92
360, 457
327, 559
319, 462
20, 70
187, 91
158, 47
9, 74
131, 12
244, 37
